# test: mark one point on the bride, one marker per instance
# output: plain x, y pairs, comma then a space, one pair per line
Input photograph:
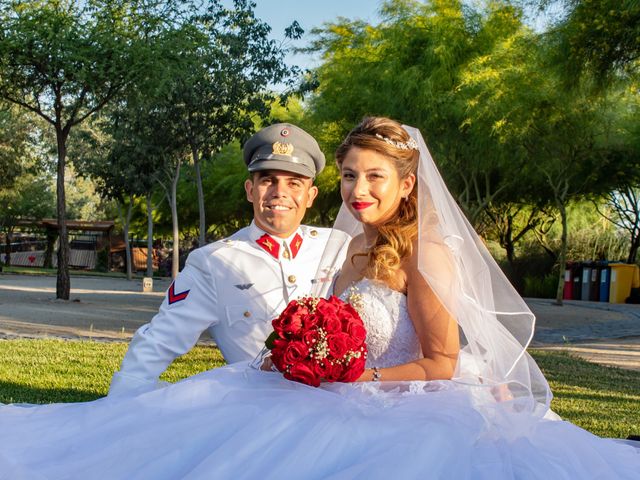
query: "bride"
449, 390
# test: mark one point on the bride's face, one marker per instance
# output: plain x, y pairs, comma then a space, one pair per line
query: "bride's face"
371, 187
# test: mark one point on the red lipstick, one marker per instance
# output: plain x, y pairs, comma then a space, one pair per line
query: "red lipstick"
361, 205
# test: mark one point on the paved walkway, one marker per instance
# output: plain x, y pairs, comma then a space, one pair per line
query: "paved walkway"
105, 308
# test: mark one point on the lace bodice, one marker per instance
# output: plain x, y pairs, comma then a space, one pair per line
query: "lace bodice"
391, 337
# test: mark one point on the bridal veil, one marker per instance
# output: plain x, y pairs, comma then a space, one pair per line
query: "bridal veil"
495, 324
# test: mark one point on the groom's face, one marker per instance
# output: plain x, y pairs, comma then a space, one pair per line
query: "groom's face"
280, 200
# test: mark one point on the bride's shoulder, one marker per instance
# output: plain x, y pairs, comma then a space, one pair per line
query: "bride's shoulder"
434, 257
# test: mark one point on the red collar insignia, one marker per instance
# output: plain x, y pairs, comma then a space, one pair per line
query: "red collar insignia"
269, 245
295, 245
272, 246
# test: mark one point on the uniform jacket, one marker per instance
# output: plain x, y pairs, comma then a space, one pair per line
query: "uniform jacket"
233, 288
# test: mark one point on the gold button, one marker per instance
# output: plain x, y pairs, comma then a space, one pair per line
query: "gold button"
285, 254
313, 233
291, 278
247, 314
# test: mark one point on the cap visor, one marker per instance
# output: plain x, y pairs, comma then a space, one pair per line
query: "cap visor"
284, 165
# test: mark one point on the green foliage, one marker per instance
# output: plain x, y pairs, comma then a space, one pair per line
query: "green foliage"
418, 66
31, 197
14, 143
486, 93
600, 37
537, 287
102, 260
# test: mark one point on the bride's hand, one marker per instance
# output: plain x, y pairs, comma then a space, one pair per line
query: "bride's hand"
267, 365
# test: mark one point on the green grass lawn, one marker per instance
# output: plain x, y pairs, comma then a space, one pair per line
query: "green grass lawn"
600, 399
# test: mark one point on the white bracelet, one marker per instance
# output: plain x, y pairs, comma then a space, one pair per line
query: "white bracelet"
376, 375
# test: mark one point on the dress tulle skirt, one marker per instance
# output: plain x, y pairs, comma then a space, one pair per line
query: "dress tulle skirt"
235, 422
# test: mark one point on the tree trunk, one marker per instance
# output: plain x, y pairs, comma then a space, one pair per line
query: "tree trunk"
149, 236
175, 258
127, 245
633, 251
48, 253
63, 282
7, 248
514, 274
562, 258
196, 166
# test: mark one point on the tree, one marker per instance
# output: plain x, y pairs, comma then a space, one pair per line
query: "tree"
224, 65
64, 61
15, 129
410, 67
110, 156
595, 37
564, 137
625, 214
509, 222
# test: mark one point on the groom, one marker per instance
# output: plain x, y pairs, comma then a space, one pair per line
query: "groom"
234, 287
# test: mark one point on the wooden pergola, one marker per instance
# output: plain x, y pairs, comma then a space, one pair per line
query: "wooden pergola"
50, 226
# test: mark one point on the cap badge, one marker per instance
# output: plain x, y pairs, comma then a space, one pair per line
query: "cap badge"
283, 148
284, 132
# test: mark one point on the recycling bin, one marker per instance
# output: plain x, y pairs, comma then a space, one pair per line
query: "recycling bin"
623, 277
567, 292
605, 282
594, 282
585, 287
576, 277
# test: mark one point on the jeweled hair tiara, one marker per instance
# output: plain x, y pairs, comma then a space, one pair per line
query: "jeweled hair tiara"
410, 144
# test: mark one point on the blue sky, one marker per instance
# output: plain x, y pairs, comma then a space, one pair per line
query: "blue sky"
279, 14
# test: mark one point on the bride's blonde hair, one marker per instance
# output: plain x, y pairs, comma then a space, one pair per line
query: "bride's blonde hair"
396, 235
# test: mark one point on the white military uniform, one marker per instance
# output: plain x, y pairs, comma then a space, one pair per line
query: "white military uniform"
233, 288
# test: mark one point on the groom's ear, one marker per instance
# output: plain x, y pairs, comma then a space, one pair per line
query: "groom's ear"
248, 187
313, 193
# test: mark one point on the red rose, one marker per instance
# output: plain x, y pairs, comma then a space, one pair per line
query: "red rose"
327, 308
310, 321
277, 354
338, 344
290, 320
303, 373
319, 367
353, 370
331, 324
310, 337
327, 371
295, 352
333, 300
333, 372
355, 330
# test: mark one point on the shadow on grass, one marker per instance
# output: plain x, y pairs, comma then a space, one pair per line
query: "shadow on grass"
572, 371
16, 393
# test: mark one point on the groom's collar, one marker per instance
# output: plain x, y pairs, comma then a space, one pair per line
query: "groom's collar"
275, 246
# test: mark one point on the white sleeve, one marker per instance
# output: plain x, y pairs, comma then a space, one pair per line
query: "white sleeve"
189, 308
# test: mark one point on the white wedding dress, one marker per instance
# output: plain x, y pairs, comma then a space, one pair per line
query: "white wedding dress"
241, 423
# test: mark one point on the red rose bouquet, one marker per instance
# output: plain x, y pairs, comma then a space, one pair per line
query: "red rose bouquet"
317, 339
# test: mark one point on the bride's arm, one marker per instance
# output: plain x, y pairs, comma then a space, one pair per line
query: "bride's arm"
437, 330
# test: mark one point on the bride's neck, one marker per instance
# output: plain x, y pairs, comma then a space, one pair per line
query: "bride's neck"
370, 235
